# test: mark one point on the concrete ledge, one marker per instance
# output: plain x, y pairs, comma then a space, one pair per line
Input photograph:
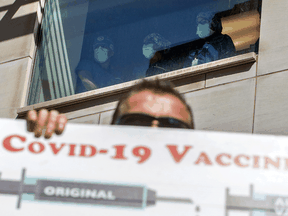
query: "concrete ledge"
116, 91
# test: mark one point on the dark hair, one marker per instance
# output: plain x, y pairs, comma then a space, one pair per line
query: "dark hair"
157, 87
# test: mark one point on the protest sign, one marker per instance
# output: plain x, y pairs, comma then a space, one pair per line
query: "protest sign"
114, 170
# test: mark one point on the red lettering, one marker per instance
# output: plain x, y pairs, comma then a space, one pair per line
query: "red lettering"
83, 151
176, 155
256, 162
7, 143
203, 158
270, 161
219, 159
119, 152
238, 162
55, 150
142, 152
72, 150
32, 149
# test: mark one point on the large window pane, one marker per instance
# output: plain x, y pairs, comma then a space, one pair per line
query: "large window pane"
90, 44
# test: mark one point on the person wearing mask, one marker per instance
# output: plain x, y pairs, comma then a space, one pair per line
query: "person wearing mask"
153, 63
215, 44
150, 103
97, 73
153, 43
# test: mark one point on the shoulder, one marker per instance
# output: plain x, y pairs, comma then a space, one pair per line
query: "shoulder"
224, 39
228, 41
219, 36
227, 37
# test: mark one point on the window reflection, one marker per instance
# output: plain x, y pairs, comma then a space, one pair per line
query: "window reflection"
111, 42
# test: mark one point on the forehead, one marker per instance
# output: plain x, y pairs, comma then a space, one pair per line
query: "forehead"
158, 105
202, 20
101, 47
148, 45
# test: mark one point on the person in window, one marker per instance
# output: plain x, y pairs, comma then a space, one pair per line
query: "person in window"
153, 43
97, 73
215, 44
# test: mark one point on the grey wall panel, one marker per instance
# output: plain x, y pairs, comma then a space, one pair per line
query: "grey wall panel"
88, 108
226, 107
273, 49
190, 83
271, 110
89, 119
106, 117
231, 74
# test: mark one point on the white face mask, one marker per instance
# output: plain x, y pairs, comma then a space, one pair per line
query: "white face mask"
148, 51
203, 30
101, 54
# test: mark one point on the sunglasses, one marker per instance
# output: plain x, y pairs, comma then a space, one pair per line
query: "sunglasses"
146, 120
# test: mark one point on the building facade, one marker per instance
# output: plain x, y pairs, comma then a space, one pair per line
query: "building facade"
242, 93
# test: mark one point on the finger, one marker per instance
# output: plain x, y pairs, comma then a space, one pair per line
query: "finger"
51, 124
31, 120
41, 122
61, 123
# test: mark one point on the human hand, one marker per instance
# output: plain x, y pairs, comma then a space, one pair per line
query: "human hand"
52, 121
213, 52
86, 78
194, 62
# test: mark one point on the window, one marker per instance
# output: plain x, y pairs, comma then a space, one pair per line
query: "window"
90, 44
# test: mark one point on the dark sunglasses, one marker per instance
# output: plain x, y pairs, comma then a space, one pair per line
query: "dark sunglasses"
146, 120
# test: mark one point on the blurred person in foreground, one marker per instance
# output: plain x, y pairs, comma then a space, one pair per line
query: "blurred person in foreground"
150, 103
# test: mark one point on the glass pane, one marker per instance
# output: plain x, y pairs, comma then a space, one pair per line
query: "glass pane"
90, 44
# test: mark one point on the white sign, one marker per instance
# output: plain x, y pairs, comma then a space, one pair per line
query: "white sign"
113, 170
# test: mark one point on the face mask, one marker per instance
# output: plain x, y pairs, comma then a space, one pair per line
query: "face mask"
203, 30
101, 54
148, 51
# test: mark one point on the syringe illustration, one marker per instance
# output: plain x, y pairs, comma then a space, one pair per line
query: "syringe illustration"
269, 205
86, 193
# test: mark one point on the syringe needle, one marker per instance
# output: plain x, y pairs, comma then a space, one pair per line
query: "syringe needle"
174, 199
80, 192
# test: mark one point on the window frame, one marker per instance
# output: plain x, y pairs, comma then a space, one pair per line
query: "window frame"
119, 89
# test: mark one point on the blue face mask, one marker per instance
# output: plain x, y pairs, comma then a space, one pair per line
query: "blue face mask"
203, 30
148, 51
101, 54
